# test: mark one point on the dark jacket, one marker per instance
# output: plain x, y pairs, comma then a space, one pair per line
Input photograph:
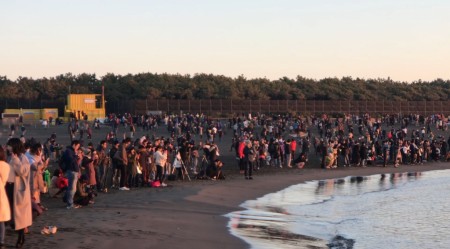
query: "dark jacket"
70, 159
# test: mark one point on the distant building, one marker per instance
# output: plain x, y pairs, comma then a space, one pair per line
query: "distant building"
28, 116
85, 106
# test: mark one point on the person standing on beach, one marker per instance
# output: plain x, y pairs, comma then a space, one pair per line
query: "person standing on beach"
287, 153
323, 152
5, 210
144, 154
160, 160
23, 130
38, 166
71, 162
102, 165
240, 146
249, 157
88, 130
87, 163
363, 155
293, 148
12, 128
386, 149
116, 172
22, 194
121, 158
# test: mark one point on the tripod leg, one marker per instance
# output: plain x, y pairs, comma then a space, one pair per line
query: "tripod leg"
185, 172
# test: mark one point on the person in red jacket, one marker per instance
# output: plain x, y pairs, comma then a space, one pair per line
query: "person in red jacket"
241, 148
293, 148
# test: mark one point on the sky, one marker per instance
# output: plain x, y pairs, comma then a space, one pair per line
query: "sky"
405, 40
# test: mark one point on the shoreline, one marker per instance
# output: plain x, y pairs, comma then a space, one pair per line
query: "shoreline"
265, 185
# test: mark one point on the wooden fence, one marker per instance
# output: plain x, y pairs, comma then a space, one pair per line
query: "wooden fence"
226, 106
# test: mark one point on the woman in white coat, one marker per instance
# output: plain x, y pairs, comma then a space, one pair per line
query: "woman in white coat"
5, 211
22, 213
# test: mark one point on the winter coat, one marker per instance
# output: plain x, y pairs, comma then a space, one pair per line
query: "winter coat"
37, 169
241, 148
91, 174
22, 195
5, 213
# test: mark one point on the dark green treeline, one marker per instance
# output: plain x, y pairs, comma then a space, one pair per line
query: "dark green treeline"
208, 86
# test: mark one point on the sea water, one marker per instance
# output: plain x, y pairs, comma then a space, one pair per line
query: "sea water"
400, 210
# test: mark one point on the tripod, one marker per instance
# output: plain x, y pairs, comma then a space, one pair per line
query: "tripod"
184, 171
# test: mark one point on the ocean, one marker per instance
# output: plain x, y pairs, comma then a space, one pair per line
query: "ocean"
400, 210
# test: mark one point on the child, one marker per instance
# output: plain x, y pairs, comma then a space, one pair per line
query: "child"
60, 182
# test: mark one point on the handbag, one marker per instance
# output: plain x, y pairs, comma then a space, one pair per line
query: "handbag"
251, 157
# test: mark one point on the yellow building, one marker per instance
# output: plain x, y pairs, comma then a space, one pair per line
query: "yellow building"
29, 116
34, 114
93, 105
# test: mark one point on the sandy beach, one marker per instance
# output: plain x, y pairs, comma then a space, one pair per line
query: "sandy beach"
182, 215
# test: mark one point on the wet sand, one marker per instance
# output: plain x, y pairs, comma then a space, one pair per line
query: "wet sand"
182, 215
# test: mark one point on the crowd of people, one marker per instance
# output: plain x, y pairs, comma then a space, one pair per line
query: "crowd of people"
193, 148
145, 161
285, 141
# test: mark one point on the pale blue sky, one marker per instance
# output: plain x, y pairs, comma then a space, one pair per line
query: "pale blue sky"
406, 40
